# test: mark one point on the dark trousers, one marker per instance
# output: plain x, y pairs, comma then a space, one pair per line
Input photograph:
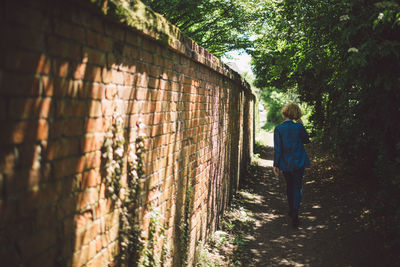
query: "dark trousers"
294, 190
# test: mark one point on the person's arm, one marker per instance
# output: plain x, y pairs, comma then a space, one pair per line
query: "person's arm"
304, 135
278, 151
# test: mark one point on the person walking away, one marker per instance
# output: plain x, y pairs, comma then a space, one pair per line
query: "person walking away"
290, 156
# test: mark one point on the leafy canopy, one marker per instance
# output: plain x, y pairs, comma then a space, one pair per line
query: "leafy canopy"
343, 59
218, 25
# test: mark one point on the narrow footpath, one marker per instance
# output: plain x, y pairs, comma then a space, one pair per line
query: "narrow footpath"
337, 228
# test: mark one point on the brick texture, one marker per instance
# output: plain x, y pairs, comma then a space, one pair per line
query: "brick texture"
65, 69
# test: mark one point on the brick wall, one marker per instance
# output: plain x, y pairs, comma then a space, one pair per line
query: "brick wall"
66, 68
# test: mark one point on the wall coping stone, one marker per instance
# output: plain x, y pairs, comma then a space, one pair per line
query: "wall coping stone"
137, 16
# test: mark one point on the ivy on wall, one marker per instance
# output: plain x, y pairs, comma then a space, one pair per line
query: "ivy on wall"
134, 251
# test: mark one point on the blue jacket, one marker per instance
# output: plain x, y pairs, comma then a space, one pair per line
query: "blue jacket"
289, 140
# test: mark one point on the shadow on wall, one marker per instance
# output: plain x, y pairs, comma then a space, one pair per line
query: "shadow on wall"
59, 90
64, 73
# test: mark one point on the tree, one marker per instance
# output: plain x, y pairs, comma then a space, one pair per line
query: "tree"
343, 58
217, 25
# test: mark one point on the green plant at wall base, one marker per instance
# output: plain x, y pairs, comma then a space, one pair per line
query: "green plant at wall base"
208, 256
185, 223
148, 256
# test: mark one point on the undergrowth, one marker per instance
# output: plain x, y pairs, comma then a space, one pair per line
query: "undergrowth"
220, 249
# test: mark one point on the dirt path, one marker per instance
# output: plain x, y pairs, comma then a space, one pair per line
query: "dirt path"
336, 227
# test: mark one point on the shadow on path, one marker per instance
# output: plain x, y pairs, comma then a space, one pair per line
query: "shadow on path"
336, 227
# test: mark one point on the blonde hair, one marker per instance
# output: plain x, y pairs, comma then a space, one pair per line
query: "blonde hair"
291, 111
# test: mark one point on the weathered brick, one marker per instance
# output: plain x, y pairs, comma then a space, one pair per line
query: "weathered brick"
80, 257
92, 143
46, 259
131, 52
134, 39
66, 128
81, 17
94, 56
111, 92
87, 198
117, 77
107, 107
63, 48
92, 91
21, 37
99, 41
29, 108
95, 109
114, 31
126, 92
61, 67
3, 109
146, 57
83, 221
69, 30
97, 125
91, 178
10, 256
71, 108
142, 94
25, 131
79, 71
98, 260
63, 148
106, 75
93, 73
47, 86
93, 160
68, 167
66, 207
129, 79
38, 243
27, 62
16, 84
17, 14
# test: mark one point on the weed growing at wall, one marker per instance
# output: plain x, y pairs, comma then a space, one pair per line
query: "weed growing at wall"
222, 247
207, 256
149, 256
185, 223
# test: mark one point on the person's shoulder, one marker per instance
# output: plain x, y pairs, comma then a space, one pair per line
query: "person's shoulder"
279, 126
299, 125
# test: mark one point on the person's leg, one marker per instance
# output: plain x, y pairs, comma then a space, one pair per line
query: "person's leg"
297, 194
289, 191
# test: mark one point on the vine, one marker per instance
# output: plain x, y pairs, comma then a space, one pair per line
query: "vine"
113, 155
126, 197
133, 250
149, 257
185, 223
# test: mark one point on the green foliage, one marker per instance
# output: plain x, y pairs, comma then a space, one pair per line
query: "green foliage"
343, 59
185, 223
274, 100
217, 25
133, 250
114, 150
148, 255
